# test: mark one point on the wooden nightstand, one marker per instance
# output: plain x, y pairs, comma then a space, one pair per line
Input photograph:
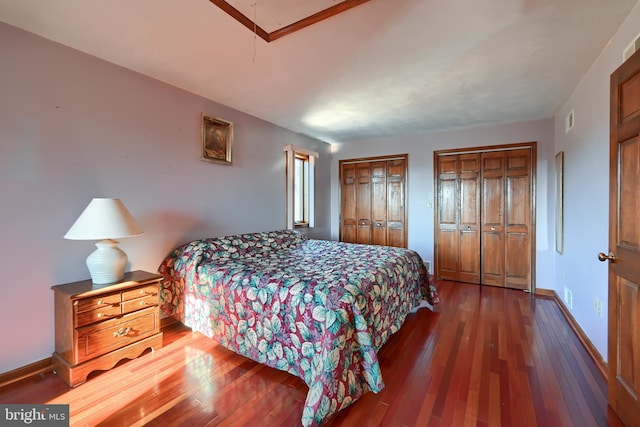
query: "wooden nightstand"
99, 325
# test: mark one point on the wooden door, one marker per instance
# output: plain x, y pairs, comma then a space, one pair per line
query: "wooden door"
458, 248
379, 202
469, 233
396, 210
506, 218
348, 217
484, 215
493, 196
373, 200
448, 232
517, 222
363, 202
624, 243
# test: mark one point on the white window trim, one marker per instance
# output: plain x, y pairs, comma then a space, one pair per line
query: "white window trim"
291, 151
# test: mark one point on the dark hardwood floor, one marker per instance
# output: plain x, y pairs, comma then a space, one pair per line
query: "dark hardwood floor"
485, 357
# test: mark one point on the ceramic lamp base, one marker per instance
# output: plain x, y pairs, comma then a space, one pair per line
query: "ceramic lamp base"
107, 263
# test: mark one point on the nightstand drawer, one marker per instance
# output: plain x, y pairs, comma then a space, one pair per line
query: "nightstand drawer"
145, 291
87, 304
109, 335
98, 325
104, 312
139, 303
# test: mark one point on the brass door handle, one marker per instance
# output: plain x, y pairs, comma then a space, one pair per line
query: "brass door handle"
604, 257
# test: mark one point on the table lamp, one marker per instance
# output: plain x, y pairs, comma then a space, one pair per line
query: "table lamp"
105, 220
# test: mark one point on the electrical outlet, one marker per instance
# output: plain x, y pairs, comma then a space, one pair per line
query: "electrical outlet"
597, 305
428, 266
568, 298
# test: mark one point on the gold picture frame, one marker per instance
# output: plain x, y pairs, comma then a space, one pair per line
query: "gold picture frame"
217, 140
559, 202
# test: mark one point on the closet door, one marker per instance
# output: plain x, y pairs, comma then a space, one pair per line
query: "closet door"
395, 207
469, 184
373, 200
493, 249
458, 248
518, 219
379, 202
447, 249
348, 217
363, 202
484, 218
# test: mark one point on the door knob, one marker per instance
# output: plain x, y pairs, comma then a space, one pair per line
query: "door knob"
604, 257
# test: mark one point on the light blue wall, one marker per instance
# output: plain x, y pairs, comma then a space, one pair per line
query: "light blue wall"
73, 127
586, 187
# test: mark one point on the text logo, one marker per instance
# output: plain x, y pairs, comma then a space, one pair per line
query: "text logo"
34, 415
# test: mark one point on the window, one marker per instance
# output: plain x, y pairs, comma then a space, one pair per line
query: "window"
300, 192
300, 186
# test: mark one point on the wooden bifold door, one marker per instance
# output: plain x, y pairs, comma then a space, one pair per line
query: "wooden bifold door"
373, 193
485, 215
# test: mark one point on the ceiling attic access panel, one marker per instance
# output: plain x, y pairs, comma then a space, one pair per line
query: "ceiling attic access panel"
272, 19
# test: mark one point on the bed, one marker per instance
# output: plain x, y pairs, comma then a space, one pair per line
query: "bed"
317, 309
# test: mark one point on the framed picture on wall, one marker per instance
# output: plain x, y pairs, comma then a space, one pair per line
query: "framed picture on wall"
217, 140
559, 202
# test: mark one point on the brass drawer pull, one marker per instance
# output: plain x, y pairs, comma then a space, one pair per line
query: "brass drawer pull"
122, 332
143, 303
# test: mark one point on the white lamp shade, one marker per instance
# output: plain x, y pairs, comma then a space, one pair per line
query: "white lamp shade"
104, 219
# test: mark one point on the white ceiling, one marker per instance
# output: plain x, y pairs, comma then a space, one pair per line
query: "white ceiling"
383, 68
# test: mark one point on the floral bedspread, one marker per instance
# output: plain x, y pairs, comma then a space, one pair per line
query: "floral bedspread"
317, 309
